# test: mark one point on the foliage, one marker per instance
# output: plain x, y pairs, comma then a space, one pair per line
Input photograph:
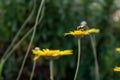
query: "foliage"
60, 16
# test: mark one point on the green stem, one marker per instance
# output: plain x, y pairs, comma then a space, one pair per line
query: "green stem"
19, 31
95, 57
51, 70
17, 44
23, 38
32, 37
33, 69
78, 60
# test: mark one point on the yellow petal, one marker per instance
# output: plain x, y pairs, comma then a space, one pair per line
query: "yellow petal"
55, 55
34, 51
93, 30
66, 52
65, 34
116, 69
37, 52
36, 57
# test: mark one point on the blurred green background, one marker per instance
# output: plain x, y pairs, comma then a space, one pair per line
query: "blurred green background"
62, 16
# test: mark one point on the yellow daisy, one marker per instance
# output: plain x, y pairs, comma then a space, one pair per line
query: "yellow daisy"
81, 32
50, 53
77, 33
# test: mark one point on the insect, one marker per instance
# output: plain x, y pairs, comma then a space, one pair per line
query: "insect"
82, 26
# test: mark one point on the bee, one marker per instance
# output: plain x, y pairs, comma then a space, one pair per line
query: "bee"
82, 26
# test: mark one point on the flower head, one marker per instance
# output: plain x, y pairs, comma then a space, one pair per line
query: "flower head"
116, 69
118, 49
82, 32
50, 53
77, 33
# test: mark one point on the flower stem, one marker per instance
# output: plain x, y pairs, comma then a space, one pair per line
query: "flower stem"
51, 69
95, 57
7, 52
32, 37
78, 60
23, 38
33, 69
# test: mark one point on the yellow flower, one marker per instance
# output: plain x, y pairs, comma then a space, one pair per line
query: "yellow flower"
118, 49
93, 30
50, 53
82, 33
77, 33
116, 69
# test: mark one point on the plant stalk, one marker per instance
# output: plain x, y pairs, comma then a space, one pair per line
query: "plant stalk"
78, 60
93, 44
32, 37
33, 69
19, 31
51, 69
